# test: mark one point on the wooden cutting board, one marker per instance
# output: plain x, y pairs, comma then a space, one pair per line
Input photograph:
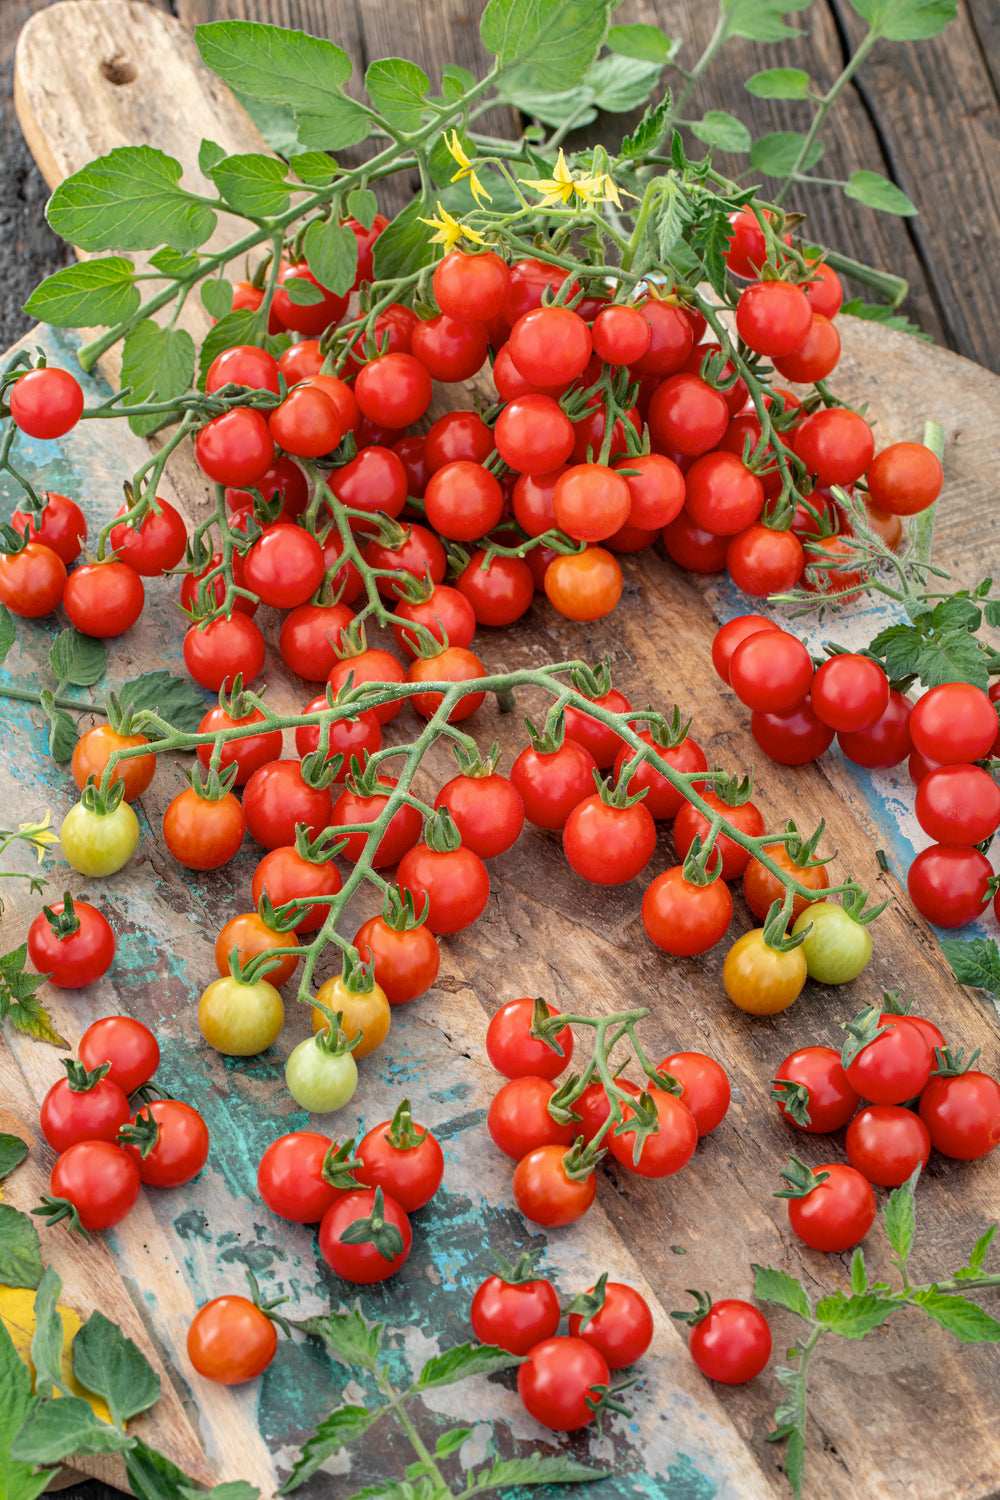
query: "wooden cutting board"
907, 1412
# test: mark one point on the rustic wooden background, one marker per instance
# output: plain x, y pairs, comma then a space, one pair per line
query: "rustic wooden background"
926, 114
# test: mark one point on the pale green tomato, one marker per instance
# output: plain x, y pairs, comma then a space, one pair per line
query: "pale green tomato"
239, 1019
318, 1080
838, 948
99, 843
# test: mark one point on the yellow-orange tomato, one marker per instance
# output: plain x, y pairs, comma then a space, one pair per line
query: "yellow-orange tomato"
95, 748
240, 1020
584, 585
250, 935
367, 1013
761, 888
759, 979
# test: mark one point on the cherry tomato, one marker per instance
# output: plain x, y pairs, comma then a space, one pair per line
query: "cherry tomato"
453, 883
608, 845
838, 948
662, 800
374, 480
239, 1019
358, 737
850, 692
693, 548
99, 843
722, 495
518, 1119
231, 1341
362, 1263
410, 1174
533, 435
669, 1149
394, 389
449, 349
835, 1214
250, 754
250, 935
690, 823
821, 1090
284, 567
656, 490
291, 1180
949, 884
771, 671
129, 1047
363, 1013
887, 1143
825, 291
402, 833
962, 1114
584, 585
201, 834
154, 546
371, 667
763, 562
100, 1180
419, 553
747, 250
405, 963
593, 1106
958, 805
236, 448
515, 1315
687, 416
835, 445
216, 653
816, 357
621, 335
706, 1087
94, 749
103, 599
487, 811
471, 286
276, 799
886, 743
181, 1148
892, 1068
733, 634
546, 1194
307, 423
366, 245
552, 783
905, 478
94, 1113
306, 317
445, 613
761, 889
61, 526
46, 403
246, 365
954, 724
761, 980
685, 919
77, 958
556, 1380
591, 502
320, 1080
773, 318
732, 1343
515, 1053
286, 875
671, 335
622, 1328
792, 738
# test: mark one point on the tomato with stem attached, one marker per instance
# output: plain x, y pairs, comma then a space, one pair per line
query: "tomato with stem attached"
98, 1180
180, 1149
202, 833
762, 980
302, 1174
559, 1381
546, 1193
365, 1261
231, 1341
519, 1119
239, 1019
515, 1310
669, 1148
731, 1344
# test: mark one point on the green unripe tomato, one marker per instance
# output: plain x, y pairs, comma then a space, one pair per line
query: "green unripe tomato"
99, 843
318, 1080
838, 948
239, 1019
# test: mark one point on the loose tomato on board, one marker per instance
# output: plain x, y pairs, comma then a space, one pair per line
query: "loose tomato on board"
559, 1379
82, 1106
302, 1174
403, 1158
95, 1184
180, 1148
962, 1113
129, 1049
72, 942
813, 1091
515, 1310
369, 1260
830, 1207
887, 1143
730, 1341
231, 1340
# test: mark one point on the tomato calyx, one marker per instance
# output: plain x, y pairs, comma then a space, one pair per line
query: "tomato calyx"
338, 1167
952, 1064
215, 785
441, 834
669, 734
697, 1314
775, 930
63, 923
545, 1027
283, 919
471, 762
861, 1032
733, 790
319, 770
522, 1272
793, 1099
403, 1134
319, 850
80, 1080
553, 736
123, 718
586, 1305
267, 1308
615, 793
93, 800
695, 867
643, 1118
592, 682
12, 542
399, 912
375, 1230
801, 850
142, 1131
800, 1178
580, 1160
560, 1104
59, 1211
854, 899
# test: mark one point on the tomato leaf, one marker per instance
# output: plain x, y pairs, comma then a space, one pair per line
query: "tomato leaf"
173, 264
760, 20
451, 1441
906, 20
253, 185
899, 1219
876, 191
217, 297
331, 249
859, 1275
278, 65
158, 363
874, 312
12, 1153
314, 167
8, 631
559, 38
47, 1339
398, 89
779, 83
231, 1489
347, 1336
91, 294
20, 1252
536, 1470
130, 199
643, 42
521, 88
781, 1289
980, 1250
853, 1317
974, 961
405, 246
62, 729
107, 1362
776, 154
622, 83
717, 128
177, 701
954, 656
362, 205
55, 1429
465, 1359
647, 135
302, 292
77, 659
18, 1481
333, 1433
18, 1002
969, 1323
151, 1475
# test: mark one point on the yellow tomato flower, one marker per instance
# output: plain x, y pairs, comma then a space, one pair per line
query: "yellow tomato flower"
465, 168
448, 230
562, 186
39, 835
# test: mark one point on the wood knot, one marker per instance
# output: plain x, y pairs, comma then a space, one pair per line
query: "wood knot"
119, 70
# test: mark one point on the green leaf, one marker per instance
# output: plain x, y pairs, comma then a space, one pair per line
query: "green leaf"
231, 1489
560, 38
275, 122
875, 312
645, 43
853, 1317
77, 659
91, 294
537, 1470
900, 1219
130, 199
27, 1013
969, 1323
362, 205
974, 961
760, 20
254, 185
455, 82
217, 297
672, 218
18, 1481
779, 83
781, 1289
313, 167
906, 20
331, 249
20, 1252
859, 1276
974, 1269
237, 327
176, 700
795, 1461
55, 1429
8, 631
107, 1362
722, 130
210, 153
347, 1336
151, 1475
12, 1153
173, 264
47, 1339
302, 292
62, 729
465, 1359
876, 191
398, 89
775, 155
621, 83
405, 246
648, 134
521, 89
954, 656
278, 65
333, 1433
450, 1442
158, 363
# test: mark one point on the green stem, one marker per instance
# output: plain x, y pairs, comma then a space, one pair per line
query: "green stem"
24, 695
829, 99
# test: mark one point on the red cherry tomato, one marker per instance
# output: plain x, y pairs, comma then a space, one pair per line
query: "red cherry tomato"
46, 403
732, 1343
706, 1087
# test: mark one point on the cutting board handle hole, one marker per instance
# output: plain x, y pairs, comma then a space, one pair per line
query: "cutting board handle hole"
119, 70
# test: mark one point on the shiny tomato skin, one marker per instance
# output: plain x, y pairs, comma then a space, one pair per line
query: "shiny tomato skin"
67, 1117
949, 884
850, 692
706, 1086
761, 980
453, 883
419, 553
689, 822
284, 567
663, 800
892, 1068
515, 1316
763, 562
236, 448
393, 390
77, 959
517, 1054
794, 737
671, 336
181, 1149
656, 490
670, 1149
453, 664
585, 585
905, 478
837, 1213
373, 667
886, 1143
761, 889
276, 800
290, 1177
250, 754
487, 810
886, 743
61, 526
687, 416
406, 963
231, 1341
732, 1344
518, 1118
154, 546
357, 737
216, 653
816, 357
285, 876
94, 749
685, 919
203, 835
551, 784
954, 723
46, 403
733, 634
103, 599
545, 1194
362, 1264
410, 1175
621, 1330
692, 547
601, 740
608, 845
722, 495
771, 671
831, 1100
127, 1045
250, 935
835, 445
402, 833
962, 1114
533, 434
472, 286
556, 1380
500, 593
958, 804
99, 1179
374, 480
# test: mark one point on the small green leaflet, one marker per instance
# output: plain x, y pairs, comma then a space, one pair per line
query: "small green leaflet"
62, 729
217, 297
559, 38
313, 167
333, 1433
779, 83
130, 199
900, 1219
91, 294
18, 1002
56, 1429
254, 185
876, 191
405, 246
760, 20
620, 84
859, 1275
398, 89
331, 249
47, 1339
520, 88
173, 264
77, 659
302, 292
853, 1317
776, 155
107, 1362
649, 132
875, 312
969, 1323
450, 1442
8, 631
906, 20
20, 1254
236, 327
671, 218
232, 1489
180, 703
151, 1475
645, 43
275, 122
362, 205
465, 1359
12, 1153
978, 1257
974, 961
276, 65
347, 1336
158, 363
536, 1470
210, 153
722, 130
18, 1481
781, 1289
